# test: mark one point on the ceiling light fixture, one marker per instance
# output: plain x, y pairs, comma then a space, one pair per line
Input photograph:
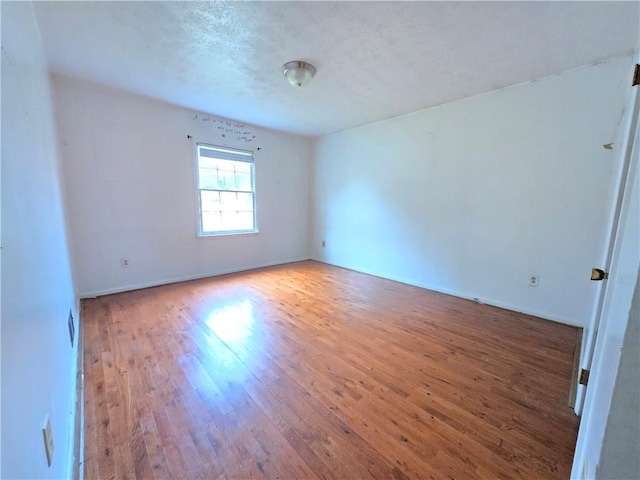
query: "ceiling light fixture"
298, 73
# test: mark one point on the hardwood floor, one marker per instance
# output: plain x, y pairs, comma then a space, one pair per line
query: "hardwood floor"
311, 371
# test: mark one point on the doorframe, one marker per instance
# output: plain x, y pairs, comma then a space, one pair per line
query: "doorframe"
627, 140
594, 402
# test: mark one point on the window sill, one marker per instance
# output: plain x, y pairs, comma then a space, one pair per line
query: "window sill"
226, 234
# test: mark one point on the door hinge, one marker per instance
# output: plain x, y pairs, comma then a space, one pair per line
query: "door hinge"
636, 76
597, 274
584, 377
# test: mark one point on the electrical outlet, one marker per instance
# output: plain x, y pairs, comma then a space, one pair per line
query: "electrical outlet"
534, 280
72, 327
124, 262
324, 244
48, 441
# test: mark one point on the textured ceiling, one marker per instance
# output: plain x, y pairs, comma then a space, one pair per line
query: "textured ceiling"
375, 60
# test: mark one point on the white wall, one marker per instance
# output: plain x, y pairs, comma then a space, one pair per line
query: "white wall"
130, 175
472, 197
38, 362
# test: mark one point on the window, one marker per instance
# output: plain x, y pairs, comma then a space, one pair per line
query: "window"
226, 190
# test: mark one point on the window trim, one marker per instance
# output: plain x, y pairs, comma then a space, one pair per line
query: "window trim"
231, 151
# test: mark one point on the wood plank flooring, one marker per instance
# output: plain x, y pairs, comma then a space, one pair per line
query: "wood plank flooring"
309, 371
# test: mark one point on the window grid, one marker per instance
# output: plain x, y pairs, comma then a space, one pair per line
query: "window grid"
229, 208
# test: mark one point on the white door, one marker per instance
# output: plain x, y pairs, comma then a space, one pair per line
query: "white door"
605, 335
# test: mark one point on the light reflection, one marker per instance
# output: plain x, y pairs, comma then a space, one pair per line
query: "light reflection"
232, 323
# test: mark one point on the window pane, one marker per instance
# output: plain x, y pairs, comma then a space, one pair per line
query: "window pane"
206, 162
211, 222
226, 211
226, 180
243, 180
236, 201
229, 221
245, 201
208, 178
221, 174
243, 167
210, 201
227, 165
229, 201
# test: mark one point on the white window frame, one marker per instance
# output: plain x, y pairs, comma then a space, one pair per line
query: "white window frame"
233, 154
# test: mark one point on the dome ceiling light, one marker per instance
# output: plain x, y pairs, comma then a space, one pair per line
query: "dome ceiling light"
298, 73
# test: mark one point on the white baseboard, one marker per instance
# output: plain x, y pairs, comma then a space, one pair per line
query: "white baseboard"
127, 288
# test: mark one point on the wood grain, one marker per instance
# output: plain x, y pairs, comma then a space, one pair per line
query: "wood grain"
308, 371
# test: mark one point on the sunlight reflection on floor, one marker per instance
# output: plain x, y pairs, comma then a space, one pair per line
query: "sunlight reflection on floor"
232, 323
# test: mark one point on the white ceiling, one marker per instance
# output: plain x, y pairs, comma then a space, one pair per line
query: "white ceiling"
375, 60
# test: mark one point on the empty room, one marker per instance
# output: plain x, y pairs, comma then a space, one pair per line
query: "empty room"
320, 240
